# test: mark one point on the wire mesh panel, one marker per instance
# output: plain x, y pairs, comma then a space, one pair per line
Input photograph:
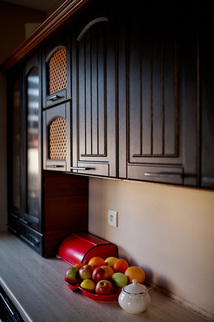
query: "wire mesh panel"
57, 139
58, 71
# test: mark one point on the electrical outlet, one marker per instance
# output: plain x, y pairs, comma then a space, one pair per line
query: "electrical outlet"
112, 218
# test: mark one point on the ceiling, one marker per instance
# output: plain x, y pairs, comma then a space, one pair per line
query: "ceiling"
42, 5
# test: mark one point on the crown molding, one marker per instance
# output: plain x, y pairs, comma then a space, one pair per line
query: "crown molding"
51, 24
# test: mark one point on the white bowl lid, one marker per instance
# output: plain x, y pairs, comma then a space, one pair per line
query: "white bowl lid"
135, 288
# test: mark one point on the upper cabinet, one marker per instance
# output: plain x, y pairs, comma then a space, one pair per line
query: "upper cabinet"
158, 123
94, 98
56, 71
127, 92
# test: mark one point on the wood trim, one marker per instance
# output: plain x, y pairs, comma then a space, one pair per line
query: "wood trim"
52, 23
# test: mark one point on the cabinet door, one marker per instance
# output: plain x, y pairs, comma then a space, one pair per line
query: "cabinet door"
31, 171
94, 98
14, 148
207, 101
161, 102
56, 64
56, 138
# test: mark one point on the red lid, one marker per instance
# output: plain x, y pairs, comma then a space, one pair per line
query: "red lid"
82, 246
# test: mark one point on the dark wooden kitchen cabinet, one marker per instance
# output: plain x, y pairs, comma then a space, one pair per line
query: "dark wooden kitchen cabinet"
94, 98
158, 124
25, 165
14, 148
56, 70
44, 207
57, 137
207, 101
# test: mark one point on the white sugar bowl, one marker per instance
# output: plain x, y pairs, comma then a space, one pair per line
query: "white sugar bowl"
134, 298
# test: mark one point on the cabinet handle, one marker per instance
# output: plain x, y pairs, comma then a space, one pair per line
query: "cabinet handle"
7, 305
208, 179
55, 97
30, 239
24, 221
163, 174
54, 166
81, 168
12, 229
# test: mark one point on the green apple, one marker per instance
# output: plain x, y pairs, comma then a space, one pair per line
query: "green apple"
119, 279
72, 275
88, 285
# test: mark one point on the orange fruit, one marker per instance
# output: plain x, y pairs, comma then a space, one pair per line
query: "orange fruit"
78, 265
120, 265
109, 270
135, 272
96, 261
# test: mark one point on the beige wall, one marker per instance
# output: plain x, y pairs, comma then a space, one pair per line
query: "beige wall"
12, 26
167, 230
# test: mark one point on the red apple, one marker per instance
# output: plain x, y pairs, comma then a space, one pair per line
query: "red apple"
104, 287
85, 272
72, 275
99, 274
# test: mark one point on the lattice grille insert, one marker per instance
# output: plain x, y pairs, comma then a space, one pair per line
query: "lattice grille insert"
57, 139
58, 71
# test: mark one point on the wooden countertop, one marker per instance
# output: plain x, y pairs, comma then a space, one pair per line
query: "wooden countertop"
37, 288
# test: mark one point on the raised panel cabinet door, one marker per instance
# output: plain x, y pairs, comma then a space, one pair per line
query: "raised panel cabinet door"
94, 98
56, 138
161, 102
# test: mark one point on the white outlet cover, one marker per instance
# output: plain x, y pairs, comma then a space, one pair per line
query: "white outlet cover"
112, 218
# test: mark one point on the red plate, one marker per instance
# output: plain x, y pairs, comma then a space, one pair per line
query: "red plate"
96, 297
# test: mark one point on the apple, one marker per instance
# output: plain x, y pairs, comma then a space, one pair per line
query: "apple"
88, 285
109, 270
104, 287
111, 260
72, 275
99, 273
119, 279
85, 272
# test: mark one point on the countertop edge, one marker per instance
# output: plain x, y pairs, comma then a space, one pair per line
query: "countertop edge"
19, 307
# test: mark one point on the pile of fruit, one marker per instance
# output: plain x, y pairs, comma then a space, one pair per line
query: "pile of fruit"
103, 276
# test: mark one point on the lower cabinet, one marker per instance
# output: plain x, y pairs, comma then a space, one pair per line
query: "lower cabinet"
65, 208
65, 211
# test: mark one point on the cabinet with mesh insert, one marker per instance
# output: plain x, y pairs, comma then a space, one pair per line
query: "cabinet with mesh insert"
55, 71
56, 134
